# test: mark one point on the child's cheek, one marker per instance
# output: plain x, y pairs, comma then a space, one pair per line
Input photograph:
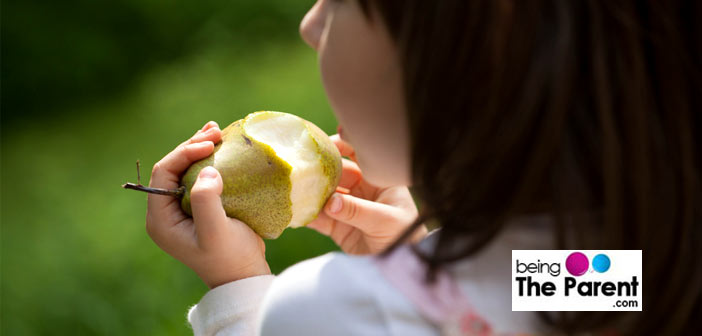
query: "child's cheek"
337, 74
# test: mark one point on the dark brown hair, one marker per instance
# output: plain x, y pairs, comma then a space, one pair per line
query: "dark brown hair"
585, 110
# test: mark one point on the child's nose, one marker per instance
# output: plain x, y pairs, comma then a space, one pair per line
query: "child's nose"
312, 24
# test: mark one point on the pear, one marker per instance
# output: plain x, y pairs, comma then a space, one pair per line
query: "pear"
278, 171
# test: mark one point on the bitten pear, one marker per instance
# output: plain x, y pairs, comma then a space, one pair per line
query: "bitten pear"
278, 171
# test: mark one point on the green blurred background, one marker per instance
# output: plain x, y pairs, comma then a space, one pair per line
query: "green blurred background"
88, 87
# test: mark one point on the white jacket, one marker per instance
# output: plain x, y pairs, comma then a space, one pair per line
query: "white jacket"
339, 294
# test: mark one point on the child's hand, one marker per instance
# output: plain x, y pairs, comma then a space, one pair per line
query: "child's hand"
218, 248
370, 218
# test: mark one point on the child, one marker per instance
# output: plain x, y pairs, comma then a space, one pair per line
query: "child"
519, 124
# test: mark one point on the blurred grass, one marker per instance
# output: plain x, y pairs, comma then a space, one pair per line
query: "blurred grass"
59, 52
75, 256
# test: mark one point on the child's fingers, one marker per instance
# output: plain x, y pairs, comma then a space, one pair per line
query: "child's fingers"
212, 133
352, 179
334, 229
209, 132
166, 173
362, 214
351, 174
208, 125
208, 213
344, 147
322, 224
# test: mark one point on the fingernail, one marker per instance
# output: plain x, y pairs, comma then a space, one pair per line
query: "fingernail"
203, 127
208, 172
335, 205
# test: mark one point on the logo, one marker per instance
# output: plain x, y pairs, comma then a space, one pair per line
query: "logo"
577, 263
559, 280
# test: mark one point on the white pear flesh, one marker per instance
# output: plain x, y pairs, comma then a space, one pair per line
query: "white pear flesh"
292, 141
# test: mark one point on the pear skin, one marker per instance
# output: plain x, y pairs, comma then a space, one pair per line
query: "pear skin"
257, 182
331, 161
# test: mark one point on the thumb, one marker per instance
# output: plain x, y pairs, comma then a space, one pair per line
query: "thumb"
208, 213
358, 212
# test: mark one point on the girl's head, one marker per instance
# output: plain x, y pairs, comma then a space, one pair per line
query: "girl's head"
587, 110
363, 79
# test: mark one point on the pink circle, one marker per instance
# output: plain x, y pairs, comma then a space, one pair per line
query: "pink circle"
577, 264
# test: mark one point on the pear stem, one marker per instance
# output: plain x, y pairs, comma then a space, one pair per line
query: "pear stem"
160, 191
178, 193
